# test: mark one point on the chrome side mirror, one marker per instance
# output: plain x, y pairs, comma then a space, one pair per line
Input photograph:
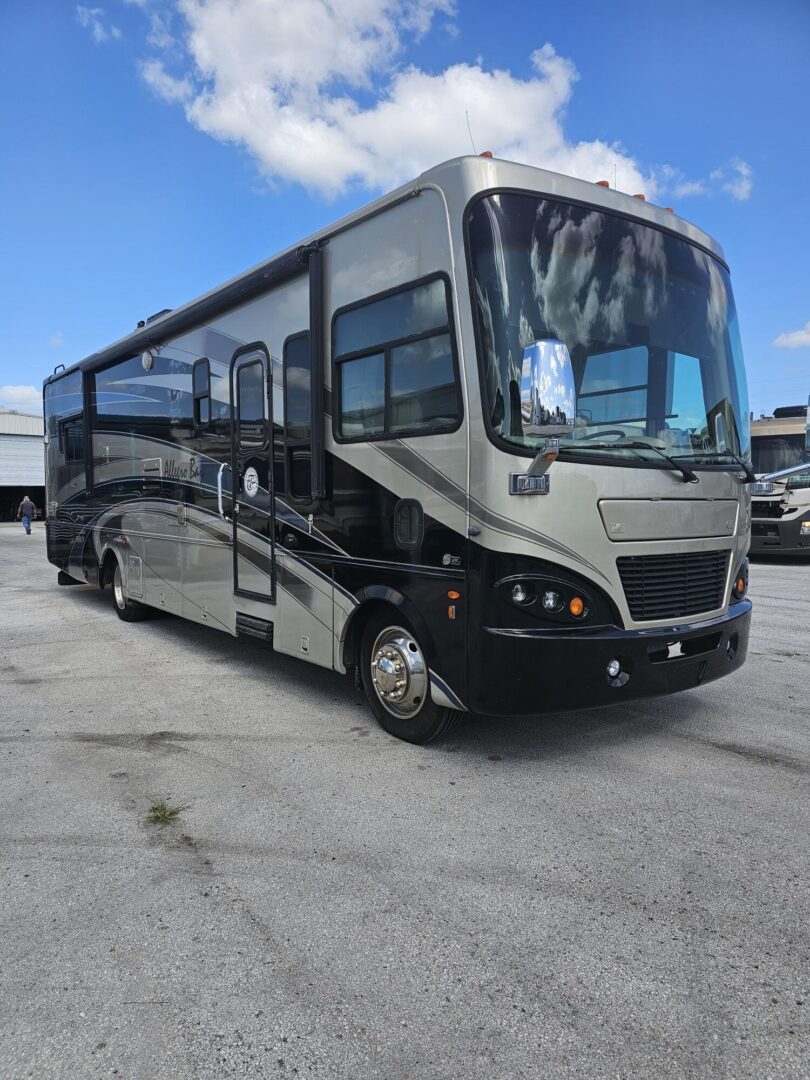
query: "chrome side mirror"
547, 389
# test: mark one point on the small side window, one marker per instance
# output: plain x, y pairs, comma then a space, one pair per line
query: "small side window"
201, 382
409, 524
73, 440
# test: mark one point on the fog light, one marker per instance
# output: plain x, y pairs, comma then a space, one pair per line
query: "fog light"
551, 600
520, 594
614, 669
805, 529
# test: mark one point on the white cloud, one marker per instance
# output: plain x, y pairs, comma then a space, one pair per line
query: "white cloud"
24, 398
794, 339
93, 20
313, 91
318, 92
57, 341
159, 35
735, 178
164, 85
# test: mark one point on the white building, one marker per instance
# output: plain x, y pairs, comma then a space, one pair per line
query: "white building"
22, 462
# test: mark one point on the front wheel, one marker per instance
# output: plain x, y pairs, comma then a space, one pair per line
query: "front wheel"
396, 680
126, 609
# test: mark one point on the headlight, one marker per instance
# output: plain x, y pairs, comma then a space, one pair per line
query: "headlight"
548, 598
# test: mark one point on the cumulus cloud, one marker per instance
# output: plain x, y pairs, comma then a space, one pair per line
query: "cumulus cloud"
794, 339
24, 398
93, 20
319, 92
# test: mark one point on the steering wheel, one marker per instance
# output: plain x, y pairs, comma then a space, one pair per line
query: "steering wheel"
600, 434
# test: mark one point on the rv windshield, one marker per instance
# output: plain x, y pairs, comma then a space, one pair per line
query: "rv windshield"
770, 453
604, 332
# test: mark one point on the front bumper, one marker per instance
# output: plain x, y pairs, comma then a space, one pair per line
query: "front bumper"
535, 671
778, 536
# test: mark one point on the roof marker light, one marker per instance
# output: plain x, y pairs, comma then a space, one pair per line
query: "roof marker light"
486, 153
642, 197
603, 183
669, 210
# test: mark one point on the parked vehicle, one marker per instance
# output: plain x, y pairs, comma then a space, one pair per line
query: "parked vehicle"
482, 442
780, 507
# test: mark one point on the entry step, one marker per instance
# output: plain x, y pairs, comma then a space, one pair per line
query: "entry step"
250, 626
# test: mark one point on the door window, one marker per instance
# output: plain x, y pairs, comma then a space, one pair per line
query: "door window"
251, 405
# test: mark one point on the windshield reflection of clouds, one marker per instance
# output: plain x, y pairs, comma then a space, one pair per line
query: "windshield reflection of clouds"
634, 299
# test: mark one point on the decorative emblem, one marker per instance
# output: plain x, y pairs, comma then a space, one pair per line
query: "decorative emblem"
250, 482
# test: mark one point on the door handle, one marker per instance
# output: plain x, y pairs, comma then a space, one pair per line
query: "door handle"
220, 506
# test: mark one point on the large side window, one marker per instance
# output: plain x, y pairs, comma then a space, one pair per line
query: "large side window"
297, 417
395, 366
64, 429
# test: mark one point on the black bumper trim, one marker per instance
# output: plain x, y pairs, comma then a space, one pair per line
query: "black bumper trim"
782, 538
535, 671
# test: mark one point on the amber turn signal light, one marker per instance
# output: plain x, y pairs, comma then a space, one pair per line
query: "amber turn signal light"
576, 605
453, 595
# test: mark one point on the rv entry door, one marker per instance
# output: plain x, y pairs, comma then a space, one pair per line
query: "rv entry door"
252, 472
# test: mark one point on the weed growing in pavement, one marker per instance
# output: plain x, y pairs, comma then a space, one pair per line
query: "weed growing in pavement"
163, 814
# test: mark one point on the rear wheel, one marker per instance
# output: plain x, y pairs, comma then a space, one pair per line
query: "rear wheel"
126, 609
396, 680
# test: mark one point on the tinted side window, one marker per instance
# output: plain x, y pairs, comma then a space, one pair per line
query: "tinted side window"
362, 396
395, 365
297, 417
201, 383
251, 405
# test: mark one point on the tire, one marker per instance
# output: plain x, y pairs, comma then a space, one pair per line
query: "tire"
126, 609
410, 713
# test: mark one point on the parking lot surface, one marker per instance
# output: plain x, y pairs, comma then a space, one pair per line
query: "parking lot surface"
618, 893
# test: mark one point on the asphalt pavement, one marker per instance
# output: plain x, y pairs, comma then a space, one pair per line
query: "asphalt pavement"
619, 893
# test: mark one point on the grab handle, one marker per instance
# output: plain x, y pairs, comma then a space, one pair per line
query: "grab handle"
220, 506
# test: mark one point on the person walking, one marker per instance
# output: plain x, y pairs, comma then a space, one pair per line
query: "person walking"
27, 511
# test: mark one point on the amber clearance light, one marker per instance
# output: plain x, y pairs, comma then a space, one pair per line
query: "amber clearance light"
576, 605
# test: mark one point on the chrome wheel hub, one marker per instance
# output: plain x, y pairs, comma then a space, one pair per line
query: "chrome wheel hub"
398, 672
118, 589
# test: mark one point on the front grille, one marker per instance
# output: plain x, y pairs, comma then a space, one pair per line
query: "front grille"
767, 510
672, 586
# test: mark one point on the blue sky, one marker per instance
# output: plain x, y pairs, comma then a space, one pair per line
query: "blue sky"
153, 148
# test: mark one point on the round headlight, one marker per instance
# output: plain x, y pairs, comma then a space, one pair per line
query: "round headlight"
520, 594
551, 600
614, 669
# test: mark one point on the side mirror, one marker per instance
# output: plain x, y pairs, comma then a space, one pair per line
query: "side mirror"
547, 389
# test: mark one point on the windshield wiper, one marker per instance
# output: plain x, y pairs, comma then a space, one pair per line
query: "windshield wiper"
689, 477
750, 475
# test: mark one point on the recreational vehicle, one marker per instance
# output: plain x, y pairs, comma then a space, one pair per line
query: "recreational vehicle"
780, 507
482, 443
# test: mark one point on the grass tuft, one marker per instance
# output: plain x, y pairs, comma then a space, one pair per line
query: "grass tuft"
164, 814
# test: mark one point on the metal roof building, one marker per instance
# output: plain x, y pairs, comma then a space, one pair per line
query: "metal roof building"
22, 461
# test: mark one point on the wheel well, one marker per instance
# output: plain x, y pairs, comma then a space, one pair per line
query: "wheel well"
401, 610
354, 630
108, 565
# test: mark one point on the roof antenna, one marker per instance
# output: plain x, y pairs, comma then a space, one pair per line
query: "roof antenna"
467, 114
